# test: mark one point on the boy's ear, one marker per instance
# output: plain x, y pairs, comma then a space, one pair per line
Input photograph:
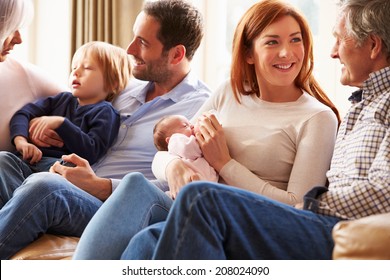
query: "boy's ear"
167, 139
178, 53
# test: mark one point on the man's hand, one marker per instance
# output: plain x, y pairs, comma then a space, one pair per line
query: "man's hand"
178, 175
83, 176
42, 134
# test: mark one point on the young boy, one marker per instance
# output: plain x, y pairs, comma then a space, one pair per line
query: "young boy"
84, 119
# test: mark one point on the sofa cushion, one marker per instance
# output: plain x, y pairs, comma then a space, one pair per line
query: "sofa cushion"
48, 247
366, 238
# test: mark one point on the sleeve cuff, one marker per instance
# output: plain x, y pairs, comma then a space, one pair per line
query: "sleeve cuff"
310, 199
114, 184
160, 163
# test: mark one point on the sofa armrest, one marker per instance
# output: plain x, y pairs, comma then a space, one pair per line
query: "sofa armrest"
48, 247
366, 238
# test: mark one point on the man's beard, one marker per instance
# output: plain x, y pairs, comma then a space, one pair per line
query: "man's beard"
157, 71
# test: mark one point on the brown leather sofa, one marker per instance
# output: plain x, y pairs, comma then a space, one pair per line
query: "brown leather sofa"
363, 239
49, 247
366, 238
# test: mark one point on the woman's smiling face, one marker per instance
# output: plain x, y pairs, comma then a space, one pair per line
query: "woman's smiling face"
277, 53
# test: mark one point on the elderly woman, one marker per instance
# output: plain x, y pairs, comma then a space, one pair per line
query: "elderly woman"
20, 82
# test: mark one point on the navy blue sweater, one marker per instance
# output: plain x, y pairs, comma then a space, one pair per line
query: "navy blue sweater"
87, 131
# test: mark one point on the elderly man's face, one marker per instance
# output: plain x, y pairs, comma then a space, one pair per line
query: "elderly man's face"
356, 60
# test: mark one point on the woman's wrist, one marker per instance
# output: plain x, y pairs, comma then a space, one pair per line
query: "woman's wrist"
218, 166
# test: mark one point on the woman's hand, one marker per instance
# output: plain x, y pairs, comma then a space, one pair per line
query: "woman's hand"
178, 175
299, 205
83, 176
42, 134
212, 141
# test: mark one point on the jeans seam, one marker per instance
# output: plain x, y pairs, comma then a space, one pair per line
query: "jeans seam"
29, 214
148, 213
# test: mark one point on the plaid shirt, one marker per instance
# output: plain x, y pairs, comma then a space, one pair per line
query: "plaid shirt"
359, 176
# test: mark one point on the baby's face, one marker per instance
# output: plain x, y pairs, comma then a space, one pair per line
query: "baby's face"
182, 125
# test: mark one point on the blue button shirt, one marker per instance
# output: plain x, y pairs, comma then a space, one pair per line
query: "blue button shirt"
134, 148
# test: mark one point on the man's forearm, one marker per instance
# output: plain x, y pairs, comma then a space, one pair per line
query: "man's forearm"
102, 189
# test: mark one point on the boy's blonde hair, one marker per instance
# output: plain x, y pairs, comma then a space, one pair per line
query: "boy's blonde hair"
114, 63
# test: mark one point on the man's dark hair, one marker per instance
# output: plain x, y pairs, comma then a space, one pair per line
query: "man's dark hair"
180, 24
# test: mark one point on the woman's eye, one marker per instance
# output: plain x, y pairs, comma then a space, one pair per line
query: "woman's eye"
270, 43
296, 40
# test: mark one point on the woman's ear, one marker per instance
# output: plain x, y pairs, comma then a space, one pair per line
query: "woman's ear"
178, 53
249, 57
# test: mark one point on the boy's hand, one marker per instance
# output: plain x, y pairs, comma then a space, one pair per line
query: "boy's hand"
42, 133
29, 151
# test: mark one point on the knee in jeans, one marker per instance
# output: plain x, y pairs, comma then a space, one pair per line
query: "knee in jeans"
43, 182
7, 158
133, 180
134, 176
196, 188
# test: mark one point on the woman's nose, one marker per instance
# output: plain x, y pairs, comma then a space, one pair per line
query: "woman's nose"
284, 51
17, 37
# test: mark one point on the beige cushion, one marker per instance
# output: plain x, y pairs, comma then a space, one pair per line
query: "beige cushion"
48, 247
366, 238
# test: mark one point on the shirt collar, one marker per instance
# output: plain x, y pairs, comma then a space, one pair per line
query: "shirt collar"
377, 83
187, 86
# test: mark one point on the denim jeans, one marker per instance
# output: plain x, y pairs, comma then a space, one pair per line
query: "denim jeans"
44, 202
212, 221
14, 170
135, 204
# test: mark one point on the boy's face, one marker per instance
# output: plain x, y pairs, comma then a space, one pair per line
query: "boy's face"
86, 80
